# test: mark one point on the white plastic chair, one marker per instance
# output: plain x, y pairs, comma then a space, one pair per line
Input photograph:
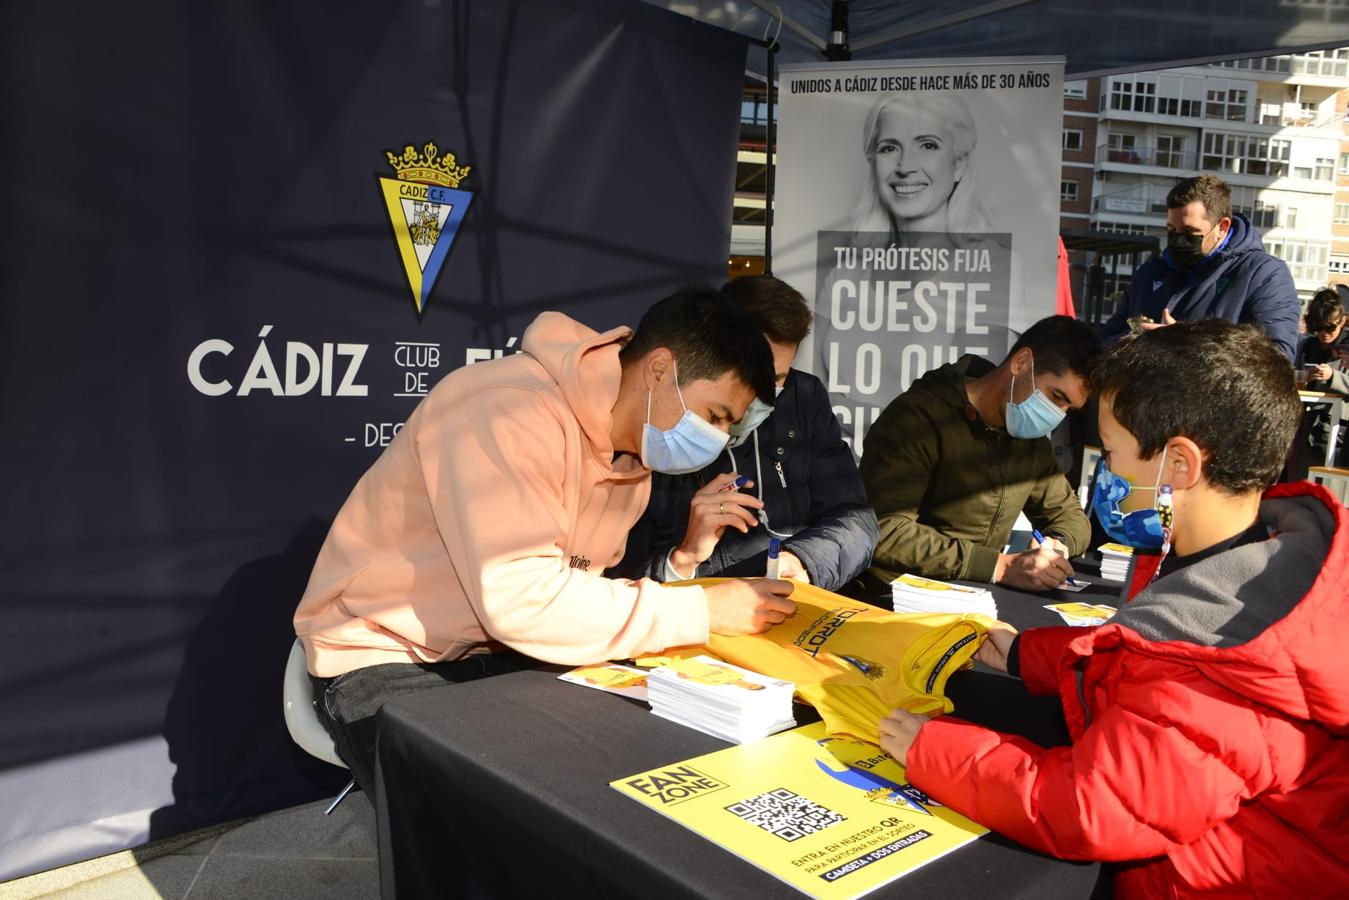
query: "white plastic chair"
297, 697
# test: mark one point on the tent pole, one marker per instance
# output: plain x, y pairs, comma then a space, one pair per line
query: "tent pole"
1114, 276
838, 50
770, 147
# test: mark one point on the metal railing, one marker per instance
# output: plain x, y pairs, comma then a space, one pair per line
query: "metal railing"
1131, 204
1147, 156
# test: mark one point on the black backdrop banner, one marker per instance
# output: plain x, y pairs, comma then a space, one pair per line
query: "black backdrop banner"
239, 241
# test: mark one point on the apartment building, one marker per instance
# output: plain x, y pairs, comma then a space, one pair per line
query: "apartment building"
1272, 127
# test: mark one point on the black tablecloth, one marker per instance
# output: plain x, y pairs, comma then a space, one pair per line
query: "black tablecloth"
501, 788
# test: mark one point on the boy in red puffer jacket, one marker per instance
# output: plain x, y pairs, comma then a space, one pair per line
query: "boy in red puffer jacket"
1210, 717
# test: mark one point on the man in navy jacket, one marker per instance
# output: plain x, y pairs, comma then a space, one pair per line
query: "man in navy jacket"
1215, 267
802, 478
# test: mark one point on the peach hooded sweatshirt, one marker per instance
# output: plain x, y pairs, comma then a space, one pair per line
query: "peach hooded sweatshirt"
490, 517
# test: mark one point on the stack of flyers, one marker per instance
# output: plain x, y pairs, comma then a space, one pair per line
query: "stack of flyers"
1115, 559
913, 594
1082, 613
611, 678
725, 701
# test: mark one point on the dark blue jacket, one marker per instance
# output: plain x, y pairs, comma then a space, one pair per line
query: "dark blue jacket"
1240, 283
816, 496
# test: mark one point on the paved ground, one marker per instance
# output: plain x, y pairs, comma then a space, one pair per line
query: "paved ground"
296, 854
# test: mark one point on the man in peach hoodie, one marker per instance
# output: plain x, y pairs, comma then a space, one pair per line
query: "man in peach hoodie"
476, 542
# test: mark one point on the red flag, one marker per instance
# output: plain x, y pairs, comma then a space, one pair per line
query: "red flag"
1063, 300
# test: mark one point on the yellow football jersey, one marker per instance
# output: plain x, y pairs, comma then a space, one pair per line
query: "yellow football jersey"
851, 661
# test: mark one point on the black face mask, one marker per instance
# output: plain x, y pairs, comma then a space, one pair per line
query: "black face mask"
1185, 250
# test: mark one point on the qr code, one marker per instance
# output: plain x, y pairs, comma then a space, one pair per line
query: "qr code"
789, 816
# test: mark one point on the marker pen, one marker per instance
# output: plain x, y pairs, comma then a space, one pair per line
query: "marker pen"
736, 485
1040, 539
774, 546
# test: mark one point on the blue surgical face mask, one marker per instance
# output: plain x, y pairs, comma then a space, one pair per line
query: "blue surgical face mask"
1146, 529
752, 419
690, 445
1033, 417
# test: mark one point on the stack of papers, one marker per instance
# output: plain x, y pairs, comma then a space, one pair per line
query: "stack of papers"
611, 678
913, 594
1083, 614
723, 700
1115, 559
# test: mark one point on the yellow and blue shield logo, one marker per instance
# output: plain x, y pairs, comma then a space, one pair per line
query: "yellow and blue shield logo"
426, 207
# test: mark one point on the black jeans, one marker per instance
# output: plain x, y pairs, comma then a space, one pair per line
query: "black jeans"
346, 704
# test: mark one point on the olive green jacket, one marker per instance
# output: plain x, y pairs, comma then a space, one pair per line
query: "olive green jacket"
947, 487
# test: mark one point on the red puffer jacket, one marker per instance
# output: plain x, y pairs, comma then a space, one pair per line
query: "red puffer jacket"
1210, 725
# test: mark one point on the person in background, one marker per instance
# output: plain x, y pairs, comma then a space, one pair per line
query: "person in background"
803, 483
475, 542
1322, 350
952, 461
1209, 719
1215, 267
1320, 355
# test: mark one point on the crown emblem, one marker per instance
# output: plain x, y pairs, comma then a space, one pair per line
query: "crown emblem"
426, 206
428, 166
870, 670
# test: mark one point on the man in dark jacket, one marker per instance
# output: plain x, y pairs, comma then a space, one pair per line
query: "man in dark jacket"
952, 460
1215, 267
801, 479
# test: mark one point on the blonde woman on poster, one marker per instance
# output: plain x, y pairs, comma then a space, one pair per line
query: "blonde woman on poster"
919, 177
919, 228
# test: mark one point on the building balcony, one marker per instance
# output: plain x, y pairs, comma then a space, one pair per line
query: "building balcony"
1322, 67
1130, 205
1300, 120
1161, 158
1266, 121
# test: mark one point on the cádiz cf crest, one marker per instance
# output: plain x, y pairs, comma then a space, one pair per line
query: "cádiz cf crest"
425, 209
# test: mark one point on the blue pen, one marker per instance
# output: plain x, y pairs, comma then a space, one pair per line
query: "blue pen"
1040, 539
736, 485
774, 546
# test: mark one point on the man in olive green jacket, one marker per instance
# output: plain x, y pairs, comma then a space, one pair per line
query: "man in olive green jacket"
952, 460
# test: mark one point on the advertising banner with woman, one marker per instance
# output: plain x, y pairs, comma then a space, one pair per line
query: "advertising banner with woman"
917, 203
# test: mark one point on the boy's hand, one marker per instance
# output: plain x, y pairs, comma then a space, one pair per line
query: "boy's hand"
744, 606
993, 651
1319, 373
790, 566
898, 731
1036, 569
